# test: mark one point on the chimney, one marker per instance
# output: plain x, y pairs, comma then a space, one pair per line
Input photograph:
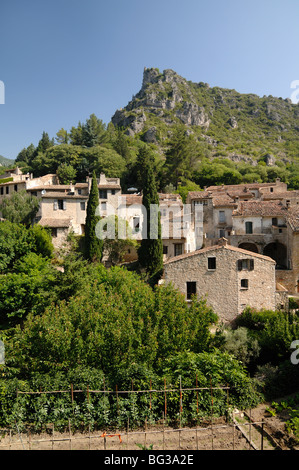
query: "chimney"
222, 241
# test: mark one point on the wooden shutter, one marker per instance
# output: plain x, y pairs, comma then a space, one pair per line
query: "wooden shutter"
55, 205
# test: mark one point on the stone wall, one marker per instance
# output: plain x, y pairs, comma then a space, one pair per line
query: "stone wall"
222, 286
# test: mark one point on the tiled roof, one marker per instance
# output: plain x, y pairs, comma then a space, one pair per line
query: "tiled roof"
132, 199
260, 208
218, 247
55, 223
53, 187
109, 186
282, 195
54, 195
293, 218
239, 186
199, 194
223, 200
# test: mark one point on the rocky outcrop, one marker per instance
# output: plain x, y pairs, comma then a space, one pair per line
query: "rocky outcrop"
166, 95
223, 121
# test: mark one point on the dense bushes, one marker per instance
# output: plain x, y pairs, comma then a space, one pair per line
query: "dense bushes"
274, 332
116, 321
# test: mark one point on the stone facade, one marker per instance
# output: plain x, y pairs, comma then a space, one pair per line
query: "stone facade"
230, 278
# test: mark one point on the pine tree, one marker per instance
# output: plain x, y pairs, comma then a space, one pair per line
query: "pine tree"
150, 253
92, 244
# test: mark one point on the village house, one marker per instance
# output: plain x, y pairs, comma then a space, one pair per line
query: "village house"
229, 277
258, 217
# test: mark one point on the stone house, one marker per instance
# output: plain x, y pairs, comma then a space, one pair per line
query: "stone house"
229, 277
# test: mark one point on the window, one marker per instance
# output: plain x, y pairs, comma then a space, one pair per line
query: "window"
61, 205
221, 217
165, 250
271, 190
1, 190
16, 187
212, 264
54, 232
104, 206
136, 224
274, 221
191, 289
7, 189
221, 233
113, 192
245, 265
103, 194
178, 249
82, 206
248, 227
244, 283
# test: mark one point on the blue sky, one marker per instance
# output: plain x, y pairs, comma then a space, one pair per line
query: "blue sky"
61, 61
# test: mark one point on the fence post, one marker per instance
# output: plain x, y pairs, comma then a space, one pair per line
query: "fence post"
165, 404
196, 395
70, 434
116, 390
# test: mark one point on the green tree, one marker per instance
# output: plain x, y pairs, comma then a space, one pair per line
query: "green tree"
66, 173
20, 207
93, 245
26, 155
150, 253
44, 143
76, 134
114, 321
62, 136
121, 144
94, 131
28, 289
182, 155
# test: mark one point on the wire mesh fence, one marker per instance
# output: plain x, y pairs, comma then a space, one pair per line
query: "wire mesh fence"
208, 432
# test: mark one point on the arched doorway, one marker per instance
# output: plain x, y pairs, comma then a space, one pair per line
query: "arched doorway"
278, 252
249, 247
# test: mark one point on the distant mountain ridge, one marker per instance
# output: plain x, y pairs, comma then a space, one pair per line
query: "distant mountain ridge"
6, 161
227, 123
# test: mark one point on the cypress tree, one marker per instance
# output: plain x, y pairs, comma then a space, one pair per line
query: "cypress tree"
92, 244
150, 253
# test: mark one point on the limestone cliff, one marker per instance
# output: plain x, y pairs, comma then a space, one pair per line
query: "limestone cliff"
230, 124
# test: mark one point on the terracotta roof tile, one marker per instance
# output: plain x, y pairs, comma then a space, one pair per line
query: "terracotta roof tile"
223, 200
260, 208
293, 218
218, 247
55, 223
